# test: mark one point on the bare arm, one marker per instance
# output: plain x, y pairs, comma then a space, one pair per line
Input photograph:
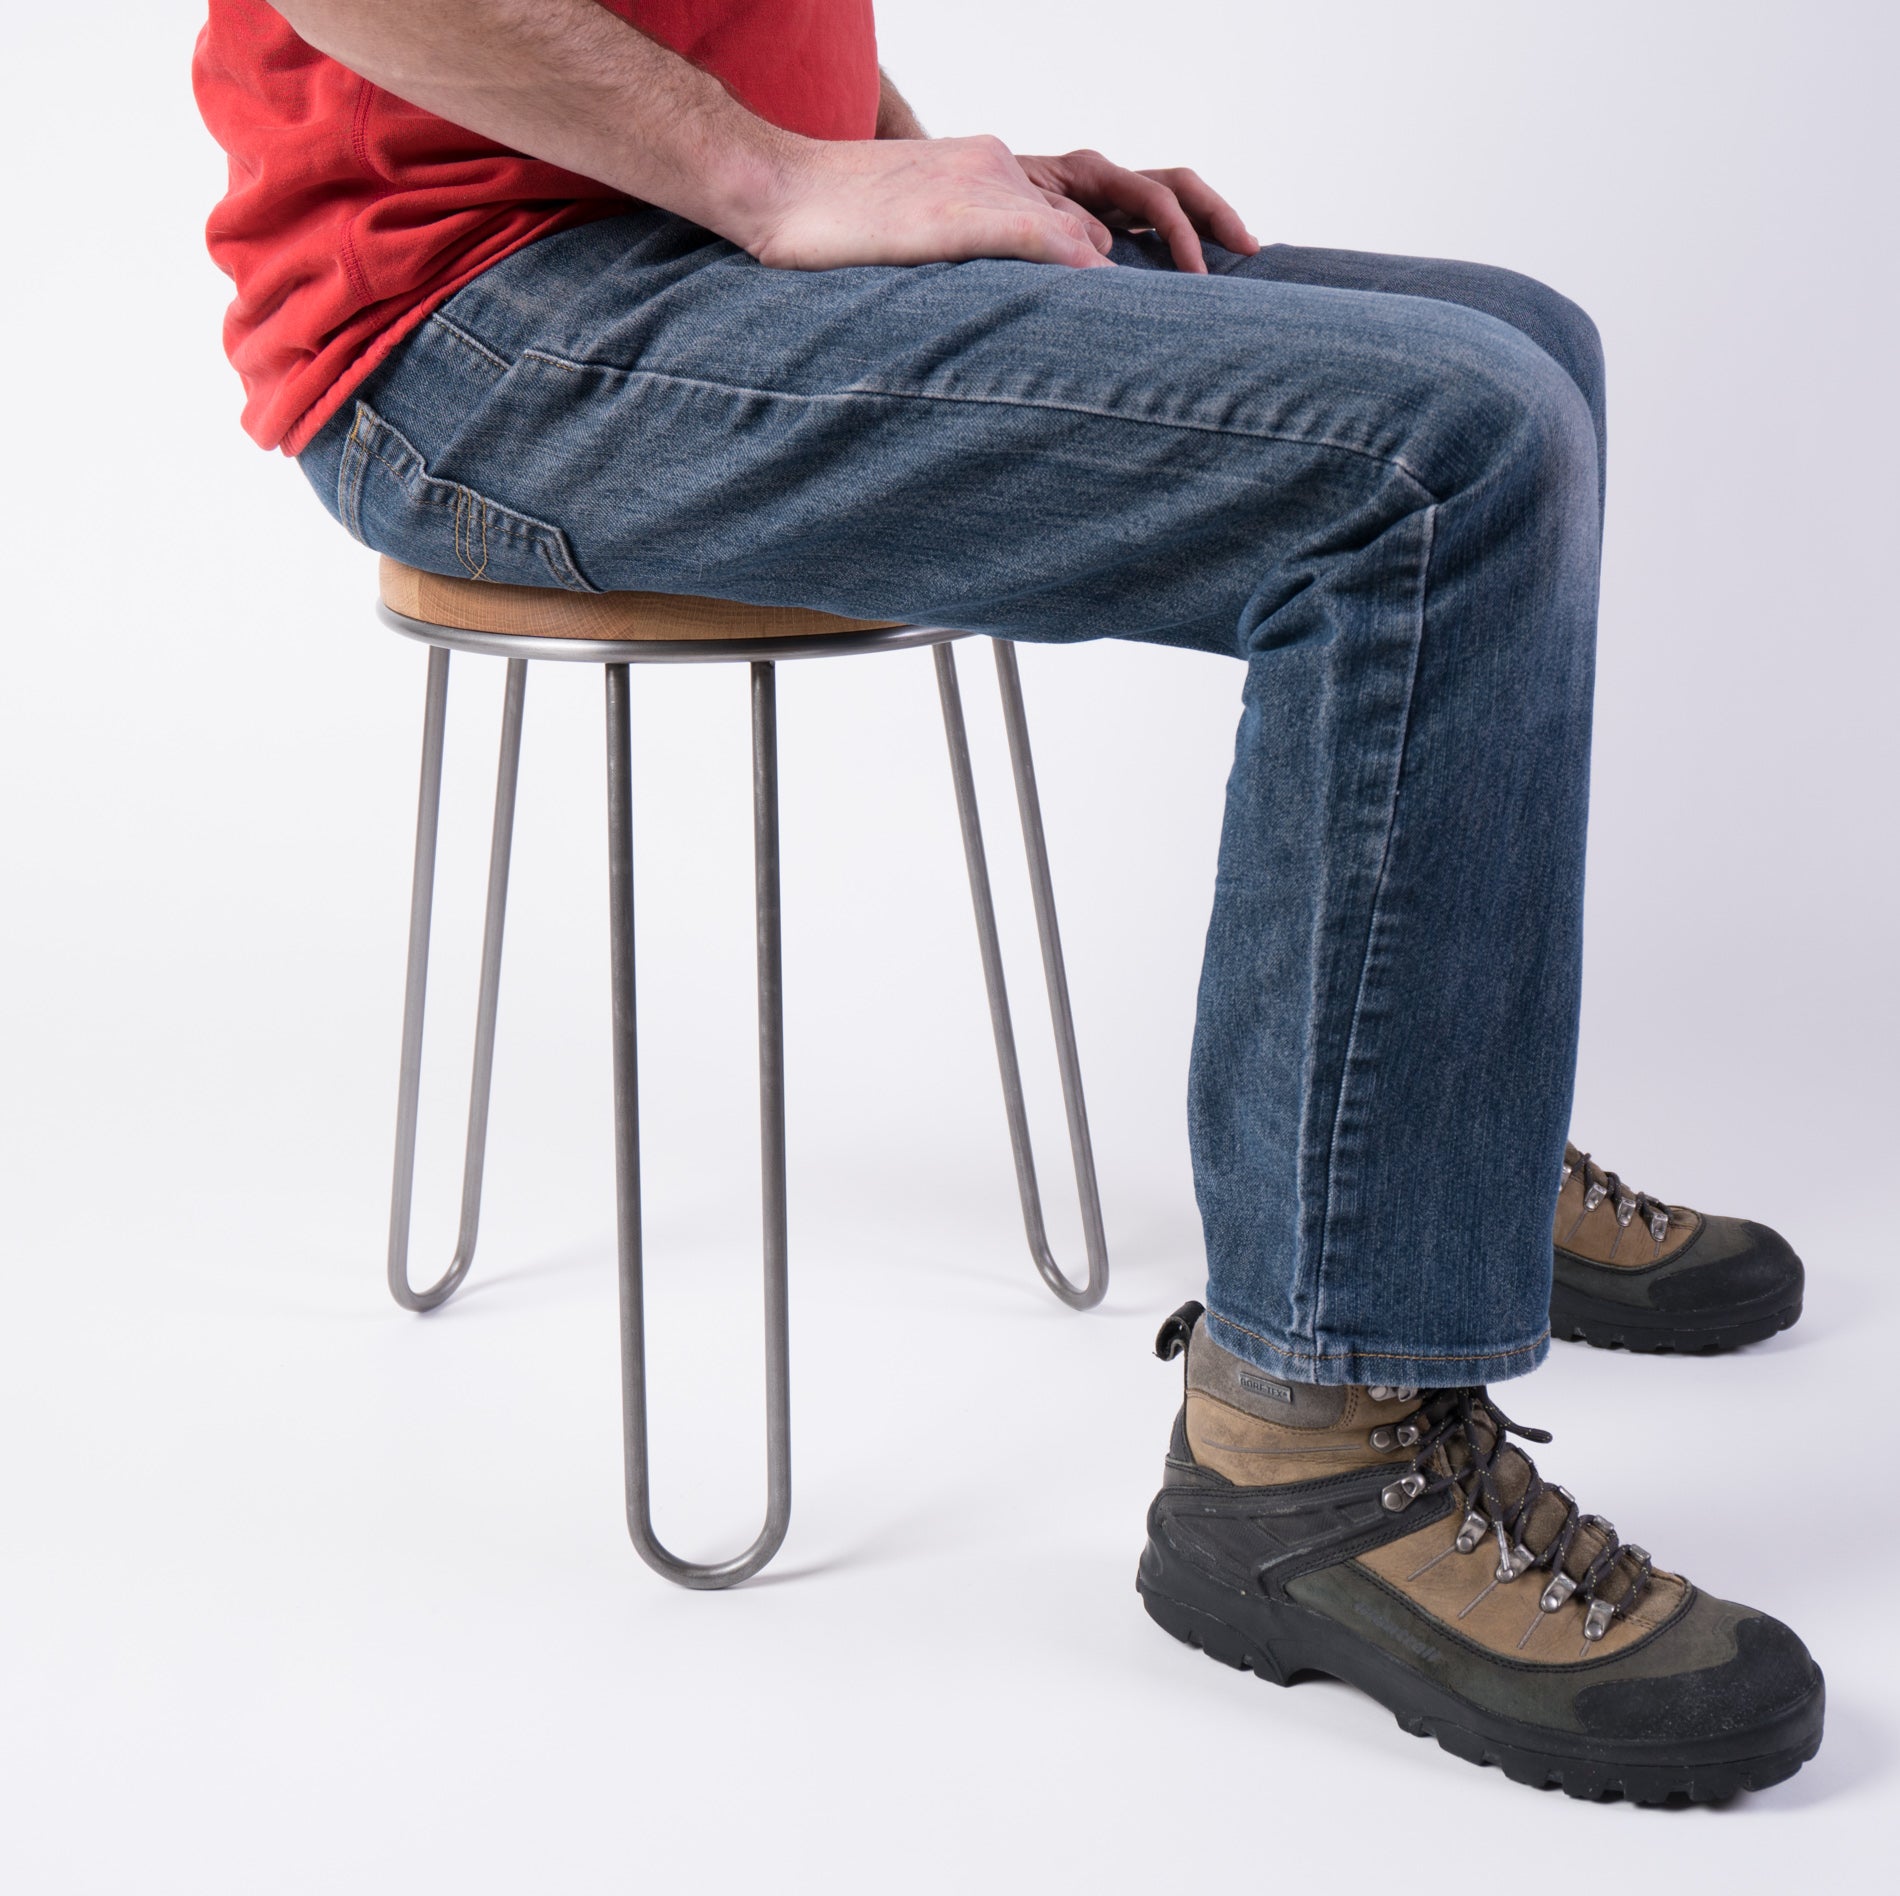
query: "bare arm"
569, 82
895, 119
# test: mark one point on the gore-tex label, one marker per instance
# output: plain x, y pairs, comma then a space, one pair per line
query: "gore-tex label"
1266, 1386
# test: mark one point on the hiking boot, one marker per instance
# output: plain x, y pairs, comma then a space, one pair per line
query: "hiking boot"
1395, 1539
1634, 1273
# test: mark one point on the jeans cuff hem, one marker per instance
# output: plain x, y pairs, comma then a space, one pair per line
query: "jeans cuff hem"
1304, 1362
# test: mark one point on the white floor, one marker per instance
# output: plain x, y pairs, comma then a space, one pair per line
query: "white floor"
303, 1594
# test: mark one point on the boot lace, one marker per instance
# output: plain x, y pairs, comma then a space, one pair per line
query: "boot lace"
1599, 1184
1459, 1441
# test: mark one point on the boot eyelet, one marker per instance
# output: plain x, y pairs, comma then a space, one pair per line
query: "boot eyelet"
1513, 1563
1471, 1531
1382, 1439
1399, 1495
1560, 1589
1597, 1621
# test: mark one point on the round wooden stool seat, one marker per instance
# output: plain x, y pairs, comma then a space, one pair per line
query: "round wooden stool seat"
550, 612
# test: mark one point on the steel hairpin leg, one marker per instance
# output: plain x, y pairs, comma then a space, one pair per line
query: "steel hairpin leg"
1023, 768
778, 1423
771, 1052
421, 904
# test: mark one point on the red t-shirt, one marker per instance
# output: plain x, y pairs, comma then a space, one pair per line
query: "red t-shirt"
350, 214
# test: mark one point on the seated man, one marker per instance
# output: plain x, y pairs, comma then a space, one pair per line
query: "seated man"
675, 295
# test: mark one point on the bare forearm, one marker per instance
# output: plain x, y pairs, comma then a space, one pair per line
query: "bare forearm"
571, 83
895, 119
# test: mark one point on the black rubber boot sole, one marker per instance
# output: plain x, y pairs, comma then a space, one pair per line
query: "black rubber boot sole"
1279, 1642
1577, 1317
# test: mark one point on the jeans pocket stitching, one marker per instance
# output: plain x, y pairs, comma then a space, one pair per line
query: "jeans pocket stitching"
474, 520
560, 562
473, 344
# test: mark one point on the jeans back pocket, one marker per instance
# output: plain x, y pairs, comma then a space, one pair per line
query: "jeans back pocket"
387, 498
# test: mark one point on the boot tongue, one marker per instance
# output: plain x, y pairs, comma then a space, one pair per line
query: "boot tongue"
1215, 1371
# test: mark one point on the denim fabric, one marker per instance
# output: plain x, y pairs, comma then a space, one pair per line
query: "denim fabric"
1374, 482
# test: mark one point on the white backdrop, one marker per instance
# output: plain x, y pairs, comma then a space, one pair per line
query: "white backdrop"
298, 1593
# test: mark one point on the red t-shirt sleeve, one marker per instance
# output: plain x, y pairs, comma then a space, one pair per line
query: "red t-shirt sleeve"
350, 214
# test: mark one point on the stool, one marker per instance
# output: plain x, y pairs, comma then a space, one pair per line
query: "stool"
617, 631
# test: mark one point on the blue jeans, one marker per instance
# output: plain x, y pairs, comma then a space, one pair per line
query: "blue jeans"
1374, 481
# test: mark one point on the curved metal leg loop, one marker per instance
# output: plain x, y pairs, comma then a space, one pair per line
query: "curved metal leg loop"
421, 904
1022, 766
778, 1424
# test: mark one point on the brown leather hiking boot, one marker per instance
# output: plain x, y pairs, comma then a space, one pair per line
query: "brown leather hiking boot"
1396, 1539
1633, 1272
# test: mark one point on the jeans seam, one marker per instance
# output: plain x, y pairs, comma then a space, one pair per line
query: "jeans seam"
1374, 923
383, 461
1317, 1355
468, 502
350, 477
865, 392
470, 342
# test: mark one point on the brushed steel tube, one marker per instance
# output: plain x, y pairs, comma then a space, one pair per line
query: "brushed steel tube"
1083, 1296
687, 1573
415, 989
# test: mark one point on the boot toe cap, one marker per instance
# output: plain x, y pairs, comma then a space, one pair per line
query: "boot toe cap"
1768, 1679
1734, 1264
